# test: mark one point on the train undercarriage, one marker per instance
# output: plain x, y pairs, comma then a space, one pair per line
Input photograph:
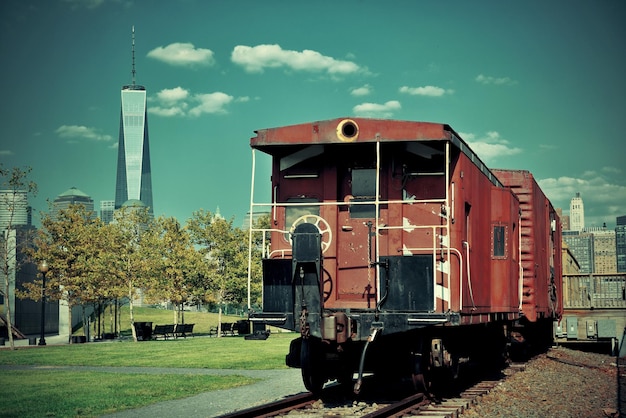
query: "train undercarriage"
430, 358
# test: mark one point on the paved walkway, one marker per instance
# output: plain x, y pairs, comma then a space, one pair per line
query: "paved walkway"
275, 384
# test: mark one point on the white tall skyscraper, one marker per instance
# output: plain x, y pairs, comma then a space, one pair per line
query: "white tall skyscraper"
134, 176
577, 213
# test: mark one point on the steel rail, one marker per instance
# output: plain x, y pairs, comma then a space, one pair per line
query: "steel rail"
275, 408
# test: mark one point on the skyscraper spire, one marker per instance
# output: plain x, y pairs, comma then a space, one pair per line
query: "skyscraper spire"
133, 55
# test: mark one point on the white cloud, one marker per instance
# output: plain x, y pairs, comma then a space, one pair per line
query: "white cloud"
490, 146
81, 132
183, 54
612, 170
384, 110
181, 102
361, 91
173, 95
484, 79
211, 103
168, 111
431, 91
255, 59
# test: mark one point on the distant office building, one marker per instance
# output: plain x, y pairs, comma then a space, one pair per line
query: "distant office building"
604, 254
72, 196
14, 209
581, 246
107, 207
577, 213
134, 176
620, 243
257, 215
569, 261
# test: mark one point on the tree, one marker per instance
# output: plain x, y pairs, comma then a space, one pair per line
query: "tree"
178, 267
14, 194
131, 265
221, 249
71, 243
226, 251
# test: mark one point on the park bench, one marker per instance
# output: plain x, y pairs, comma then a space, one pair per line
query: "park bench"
213, 332
163, 331
228, 329
182, 330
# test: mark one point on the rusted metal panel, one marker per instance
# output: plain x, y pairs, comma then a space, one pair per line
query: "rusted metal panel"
540, 247
504, 250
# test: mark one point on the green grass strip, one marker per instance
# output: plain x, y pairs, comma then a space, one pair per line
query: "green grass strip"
199, 352
60, 393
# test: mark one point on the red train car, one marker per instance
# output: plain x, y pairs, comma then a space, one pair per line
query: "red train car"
541, 244
392, 244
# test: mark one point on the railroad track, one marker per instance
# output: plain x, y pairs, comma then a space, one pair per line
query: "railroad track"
330, 403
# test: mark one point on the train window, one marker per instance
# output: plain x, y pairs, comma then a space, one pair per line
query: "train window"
292, 213
498, 240
363, 191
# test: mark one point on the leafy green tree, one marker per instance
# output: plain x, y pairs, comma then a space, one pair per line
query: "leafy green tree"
178, 266
130, 263
71, 243
224, 249
15, 189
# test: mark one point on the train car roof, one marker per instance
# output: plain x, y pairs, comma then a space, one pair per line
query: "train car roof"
361, 130
350, 130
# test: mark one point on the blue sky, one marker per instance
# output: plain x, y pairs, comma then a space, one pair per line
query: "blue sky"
534, 85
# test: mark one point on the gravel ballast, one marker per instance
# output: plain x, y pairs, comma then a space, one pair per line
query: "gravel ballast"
561, 383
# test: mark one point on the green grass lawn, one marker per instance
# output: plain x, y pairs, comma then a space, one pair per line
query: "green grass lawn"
46, 392
60, 393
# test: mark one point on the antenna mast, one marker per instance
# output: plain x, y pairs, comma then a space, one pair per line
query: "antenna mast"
133, 55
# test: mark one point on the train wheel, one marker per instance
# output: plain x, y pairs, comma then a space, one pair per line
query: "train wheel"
312, 367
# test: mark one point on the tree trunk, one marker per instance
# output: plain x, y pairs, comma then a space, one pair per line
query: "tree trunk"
7, 304
7, 285
69, 318
130, 311
219, 320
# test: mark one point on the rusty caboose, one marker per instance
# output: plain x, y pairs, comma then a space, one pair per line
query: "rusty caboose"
395, 248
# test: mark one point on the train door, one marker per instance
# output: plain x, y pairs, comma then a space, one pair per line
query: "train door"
356, 241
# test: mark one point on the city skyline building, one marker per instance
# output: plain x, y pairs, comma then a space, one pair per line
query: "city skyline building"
107, 208
620, 243
604, 254
134, 175
14, 208
72, 196
577, 213
581, 247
